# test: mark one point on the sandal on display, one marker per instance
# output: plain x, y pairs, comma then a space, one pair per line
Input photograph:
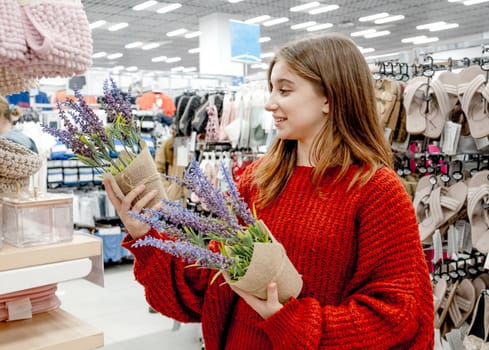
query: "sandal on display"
415, 105
443, 204
477, 210
387, 94
476, 338
443, 100
474, 100
462, 303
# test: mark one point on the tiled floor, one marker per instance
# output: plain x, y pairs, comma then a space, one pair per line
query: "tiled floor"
120, 311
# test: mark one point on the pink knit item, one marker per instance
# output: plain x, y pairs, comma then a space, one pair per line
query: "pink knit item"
58, 38
42, 299
12, 42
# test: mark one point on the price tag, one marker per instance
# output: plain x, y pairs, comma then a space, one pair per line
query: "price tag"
20, 309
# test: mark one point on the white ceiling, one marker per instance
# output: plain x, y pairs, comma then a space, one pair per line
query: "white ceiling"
149, 26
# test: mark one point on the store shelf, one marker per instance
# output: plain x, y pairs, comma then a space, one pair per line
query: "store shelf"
54, 330
80, 247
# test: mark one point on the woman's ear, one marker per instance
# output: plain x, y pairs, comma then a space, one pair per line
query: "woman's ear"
325, 108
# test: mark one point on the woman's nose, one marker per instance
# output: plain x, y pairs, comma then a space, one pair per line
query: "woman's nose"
270, 105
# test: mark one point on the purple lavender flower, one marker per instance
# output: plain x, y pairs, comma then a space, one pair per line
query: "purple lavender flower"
211, 197
116, 104
175, 213
237, 203
86, 135
187, 252
159, 225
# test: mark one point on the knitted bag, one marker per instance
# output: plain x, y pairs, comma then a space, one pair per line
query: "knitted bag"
58, 37
11, 82
12, 40
17, 163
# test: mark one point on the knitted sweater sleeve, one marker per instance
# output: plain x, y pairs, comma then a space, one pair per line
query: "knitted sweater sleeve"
171, 288
388, 302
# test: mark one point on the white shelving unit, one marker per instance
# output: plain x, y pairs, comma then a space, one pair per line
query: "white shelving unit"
58, 329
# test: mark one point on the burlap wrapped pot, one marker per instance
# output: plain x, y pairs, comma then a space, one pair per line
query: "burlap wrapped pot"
142, 170
269, 263
17, 164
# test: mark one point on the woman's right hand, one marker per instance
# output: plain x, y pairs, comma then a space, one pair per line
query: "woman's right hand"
135, 227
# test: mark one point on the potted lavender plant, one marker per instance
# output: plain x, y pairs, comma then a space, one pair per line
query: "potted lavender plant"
230, 238
95, 144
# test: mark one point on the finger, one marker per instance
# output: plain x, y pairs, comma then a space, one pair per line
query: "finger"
143, 202
116, 202
130, 197
272, 293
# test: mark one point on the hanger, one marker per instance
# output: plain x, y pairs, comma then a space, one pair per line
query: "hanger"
428, 72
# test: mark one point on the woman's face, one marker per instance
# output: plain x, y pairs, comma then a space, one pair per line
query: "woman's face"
298, 109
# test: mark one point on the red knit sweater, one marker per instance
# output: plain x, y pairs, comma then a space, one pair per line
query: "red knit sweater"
366, 283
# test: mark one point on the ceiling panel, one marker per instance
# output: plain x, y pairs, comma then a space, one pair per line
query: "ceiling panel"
149, 26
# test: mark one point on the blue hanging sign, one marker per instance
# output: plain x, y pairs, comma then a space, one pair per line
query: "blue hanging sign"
245, 44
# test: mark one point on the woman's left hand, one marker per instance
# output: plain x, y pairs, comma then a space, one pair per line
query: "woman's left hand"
265, 308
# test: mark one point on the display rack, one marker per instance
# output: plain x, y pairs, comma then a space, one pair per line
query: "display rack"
58, 329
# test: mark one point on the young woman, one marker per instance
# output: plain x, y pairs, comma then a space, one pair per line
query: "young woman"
327, 192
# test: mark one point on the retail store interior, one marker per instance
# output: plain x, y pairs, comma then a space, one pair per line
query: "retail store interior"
158, 54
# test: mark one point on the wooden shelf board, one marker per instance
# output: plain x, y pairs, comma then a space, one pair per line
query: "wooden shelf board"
54, 330
80, 247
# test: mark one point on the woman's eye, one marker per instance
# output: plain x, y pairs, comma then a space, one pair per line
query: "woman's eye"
283, 91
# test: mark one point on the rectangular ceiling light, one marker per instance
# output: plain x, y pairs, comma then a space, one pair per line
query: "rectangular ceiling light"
275, 21
258, 19
177, 32
363, 32
99, 54
429, 25
267, 55
173, 59
303, 25
319, 27
132, 69
264, 39
159, 59
389, 19
190, 69
373, 17
97, 24
413, 39
144, 5
118, 26
425, 40
324, 9
150, 46
169, 8
443, 27
114, 56
377, 34
195, 50
307, 6
192, 35
133, 45
474, 2
366, 49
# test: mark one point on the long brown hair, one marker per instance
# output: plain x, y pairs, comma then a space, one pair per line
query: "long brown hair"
352, 133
